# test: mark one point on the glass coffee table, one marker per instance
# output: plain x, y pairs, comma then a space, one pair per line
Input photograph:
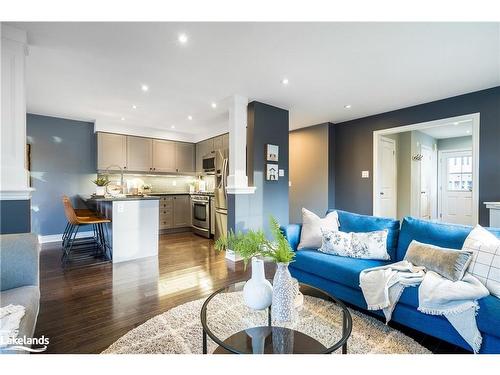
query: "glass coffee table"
322, 325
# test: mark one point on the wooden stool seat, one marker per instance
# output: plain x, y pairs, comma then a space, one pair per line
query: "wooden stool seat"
82, 220
84, 212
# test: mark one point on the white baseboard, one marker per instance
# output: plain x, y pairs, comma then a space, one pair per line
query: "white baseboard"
58, 237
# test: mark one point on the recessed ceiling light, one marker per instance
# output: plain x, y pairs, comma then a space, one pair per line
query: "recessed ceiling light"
182, 38
455, 123
123, 118
284, 81
144, 88
347, 106
468, 131
134, 106
190, 117
214, 105
173, 126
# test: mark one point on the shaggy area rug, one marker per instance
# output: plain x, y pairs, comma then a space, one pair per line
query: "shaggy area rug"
179, 330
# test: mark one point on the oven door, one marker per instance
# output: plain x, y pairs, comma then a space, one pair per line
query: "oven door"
200, 214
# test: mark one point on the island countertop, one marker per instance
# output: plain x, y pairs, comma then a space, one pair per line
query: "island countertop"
125, 198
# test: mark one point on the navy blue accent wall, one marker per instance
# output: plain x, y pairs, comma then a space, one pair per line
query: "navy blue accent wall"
354, 147
63, 161
15, 216
265, 125
331, 166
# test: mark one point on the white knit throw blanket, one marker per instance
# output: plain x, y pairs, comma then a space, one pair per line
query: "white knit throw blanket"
456, 300
10, 318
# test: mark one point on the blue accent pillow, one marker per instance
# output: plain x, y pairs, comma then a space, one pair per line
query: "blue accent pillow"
350, 222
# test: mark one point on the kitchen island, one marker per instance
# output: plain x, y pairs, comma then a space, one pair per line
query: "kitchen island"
133, 231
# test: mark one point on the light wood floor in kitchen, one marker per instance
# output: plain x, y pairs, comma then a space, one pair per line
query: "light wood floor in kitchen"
84, 310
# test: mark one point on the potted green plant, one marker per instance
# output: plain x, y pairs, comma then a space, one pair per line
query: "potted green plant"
258, 291
101, 183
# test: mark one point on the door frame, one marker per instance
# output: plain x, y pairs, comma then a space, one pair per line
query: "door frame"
395, 177
440, 176
474, 117
435, 187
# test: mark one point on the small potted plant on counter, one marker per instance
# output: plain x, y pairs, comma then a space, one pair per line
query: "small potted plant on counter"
258, 291
101, 183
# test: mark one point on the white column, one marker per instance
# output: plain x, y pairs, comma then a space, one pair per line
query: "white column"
237, 181
14, 176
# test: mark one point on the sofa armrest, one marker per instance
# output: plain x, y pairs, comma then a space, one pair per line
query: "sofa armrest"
292, 234
19, 259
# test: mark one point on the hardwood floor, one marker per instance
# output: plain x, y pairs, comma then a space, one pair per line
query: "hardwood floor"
84, 310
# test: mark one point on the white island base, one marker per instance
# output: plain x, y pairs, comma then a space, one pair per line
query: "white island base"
133, 231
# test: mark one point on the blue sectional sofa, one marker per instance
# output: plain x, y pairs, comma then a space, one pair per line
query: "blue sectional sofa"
340, 275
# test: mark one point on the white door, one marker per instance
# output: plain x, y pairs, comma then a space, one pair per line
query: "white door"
456, 187
387, 177
426, 180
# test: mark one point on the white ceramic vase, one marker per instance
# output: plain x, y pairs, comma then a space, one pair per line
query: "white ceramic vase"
258, 292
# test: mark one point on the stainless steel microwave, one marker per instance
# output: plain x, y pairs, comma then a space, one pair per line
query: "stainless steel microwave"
209, 163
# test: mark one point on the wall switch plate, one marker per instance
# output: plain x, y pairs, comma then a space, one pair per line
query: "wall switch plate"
365, 174
289, 183
281, 172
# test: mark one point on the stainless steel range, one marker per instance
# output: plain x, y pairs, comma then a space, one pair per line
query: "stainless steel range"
200, 213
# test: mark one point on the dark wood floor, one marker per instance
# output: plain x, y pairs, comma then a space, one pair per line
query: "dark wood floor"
84, 310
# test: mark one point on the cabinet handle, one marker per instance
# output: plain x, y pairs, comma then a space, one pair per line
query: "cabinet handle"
124, 167
154, 169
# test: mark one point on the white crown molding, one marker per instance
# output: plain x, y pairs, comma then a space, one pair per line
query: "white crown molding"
14, 34
58, 237
16, 195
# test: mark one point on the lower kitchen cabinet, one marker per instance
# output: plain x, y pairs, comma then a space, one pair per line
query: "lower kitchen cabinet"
182, 211
175, 212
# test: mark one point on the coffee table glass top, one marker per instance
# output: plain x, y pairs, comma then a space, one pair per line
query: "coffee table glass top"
322, 324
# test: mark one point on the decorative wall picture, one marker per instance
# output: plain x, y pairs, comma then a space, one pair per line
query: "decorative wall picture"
272, 172
272, 152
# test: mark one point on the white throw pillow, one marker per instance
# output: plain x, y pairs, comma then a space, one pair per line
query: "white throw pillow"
485, 264
312, 227
369, 245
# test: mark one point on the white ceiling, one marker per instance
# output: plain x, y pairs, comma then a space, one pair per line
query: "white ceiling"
94, 71
452, 130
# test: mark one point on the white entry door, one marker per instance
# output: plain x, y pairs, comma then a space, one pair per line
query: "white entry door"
456, 187
387, 177
427, 179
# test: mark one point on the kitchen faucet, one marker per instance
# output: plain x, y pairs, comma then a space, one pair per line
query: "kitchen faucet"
121, 174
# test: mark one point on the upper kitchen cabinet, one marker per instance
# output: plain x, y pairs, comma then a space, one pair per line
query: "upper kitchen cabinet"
184, 157
203, 148
225, 142
164, 156
218, 143
111, 151
139, 154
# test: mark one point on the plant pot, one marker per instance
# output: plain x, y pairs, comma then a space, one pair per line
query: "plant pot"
100, 190
284, 293
258, 292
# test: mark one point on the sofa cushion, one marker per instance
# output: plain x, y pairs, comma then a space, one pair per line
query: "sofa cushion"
350, 222
29, 297
451, 236
488, 317
342, 270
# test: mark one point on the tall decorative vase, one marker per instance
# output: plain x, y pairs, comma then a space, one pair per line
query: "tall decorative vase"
258, 292
282, 308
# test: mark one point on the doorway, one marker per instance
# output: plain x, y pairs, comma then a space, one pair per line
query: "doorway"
436, 170
387, 189
456, 180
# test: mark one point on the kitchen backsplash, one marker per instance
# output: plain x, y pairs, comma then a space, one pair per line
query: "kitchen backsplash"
162, 184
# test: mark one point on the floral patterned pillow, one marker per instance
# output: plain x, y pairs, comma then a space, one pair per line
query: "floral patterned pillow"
369, 245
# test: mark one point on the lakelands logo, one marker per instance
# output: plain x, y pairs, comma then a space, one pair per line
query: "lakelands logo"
27, 344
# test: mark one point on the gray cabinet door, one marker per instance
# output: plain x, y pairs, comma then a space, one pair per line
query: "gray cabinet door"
218, 143
199, 157
164, 156
225, 142
111, 151
139, 154
182, 211
184, 157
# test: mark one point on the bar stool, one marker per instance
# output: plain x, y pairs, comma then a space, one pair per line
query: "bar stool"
74, 222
